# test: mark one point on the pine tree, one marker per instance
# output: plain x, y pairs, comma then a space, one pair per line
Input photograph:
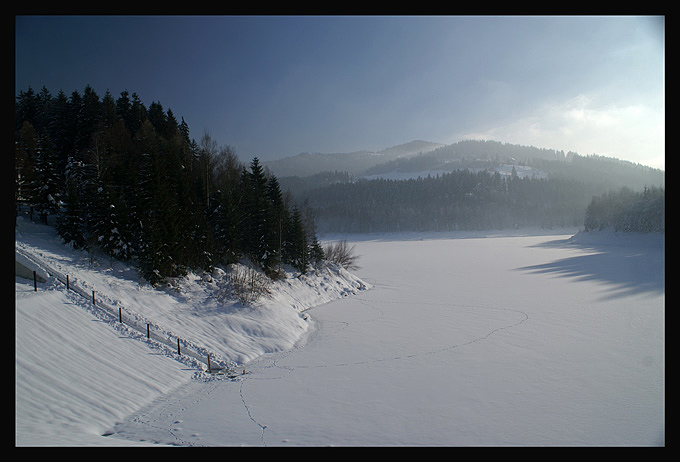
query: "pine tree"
157, 117
108, 108
45, 103
277, 220
316, 252
256, 216
224, 207
157, 236
296, 250
138, 114
184, 132
46, 188
71, 224
59, 132
124, 108
24, 163
26, 108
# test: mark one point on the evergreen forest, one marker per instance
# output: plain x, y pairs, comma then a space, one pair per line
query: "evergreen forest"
459, 187
467, 200
627, 210
116, 177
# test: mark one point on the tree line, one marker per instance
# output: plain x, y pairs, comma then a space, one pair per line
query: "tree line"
124, 179
481, 200
628, 211
459, 200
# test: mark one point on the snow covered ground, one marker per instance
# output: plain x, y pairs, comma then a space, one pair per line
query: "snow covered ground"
464, 339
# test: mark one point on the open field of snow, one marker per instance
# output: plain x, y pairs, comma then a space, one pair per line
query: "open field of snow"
460, 340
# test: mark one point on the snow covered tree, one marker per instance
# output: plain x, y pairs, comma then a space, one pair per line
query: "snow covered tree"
71, 223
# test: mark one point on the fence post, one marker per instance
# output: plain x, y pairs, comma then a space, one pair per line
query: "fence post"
35, 282
148, 332
67, 284
94, 301
178, 350
209, 369
120, 315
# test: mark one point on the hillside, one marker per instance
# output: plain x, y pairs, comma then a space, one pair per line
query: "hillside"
356, 163
469, 185
420, 159
223, 326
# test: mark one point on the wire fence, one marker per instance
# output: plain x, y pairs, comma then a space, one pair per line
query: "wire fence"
125, 317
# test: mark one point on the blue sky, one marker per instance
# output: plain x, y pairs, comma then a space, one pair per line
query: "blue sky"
276, 86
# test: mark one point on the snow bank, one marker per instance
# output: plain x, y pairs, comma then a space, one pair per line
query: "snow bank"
194, 308
76, 377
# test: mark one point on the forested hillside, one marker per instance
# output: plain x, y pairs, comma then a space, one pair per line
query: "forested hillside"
460, 200
120, 178
473, 185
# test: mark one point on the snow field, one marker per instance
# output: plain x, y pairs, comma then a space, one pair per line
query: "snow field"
463, 339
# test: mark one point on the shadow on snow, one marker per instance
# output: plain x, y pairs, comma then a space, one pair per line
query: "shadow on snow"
628, 268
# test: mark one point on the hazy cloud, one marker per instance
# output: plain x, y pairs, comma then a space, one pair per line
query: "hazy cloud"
633, 132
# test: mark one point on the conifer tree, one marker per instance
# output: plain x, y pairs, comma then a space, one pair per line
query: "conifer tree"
24, 163
297, 252
59, 132
46, 187
108, 109
124, 108
224, 207
277, 220
26, 108
71, 223
157, 117
256, 215
153, 203
138, 114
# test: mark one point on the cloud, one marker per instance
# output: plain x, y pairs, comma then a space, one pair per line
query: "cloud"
633, 132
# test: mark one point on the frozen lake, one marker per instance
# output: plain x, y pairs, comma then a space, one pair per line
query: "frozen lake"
528, 340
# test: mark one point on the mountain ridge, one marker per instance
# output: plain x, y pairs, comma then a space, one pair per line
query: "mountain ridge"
356, 162
422, 158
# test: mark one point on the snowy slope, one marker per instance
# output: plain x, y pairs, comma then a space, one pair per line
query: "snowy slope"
78, 369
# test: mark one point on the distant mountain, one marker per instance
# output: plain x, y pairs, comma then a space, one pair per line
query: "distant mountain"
529, 161
422, 159
355, 163
475, 185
